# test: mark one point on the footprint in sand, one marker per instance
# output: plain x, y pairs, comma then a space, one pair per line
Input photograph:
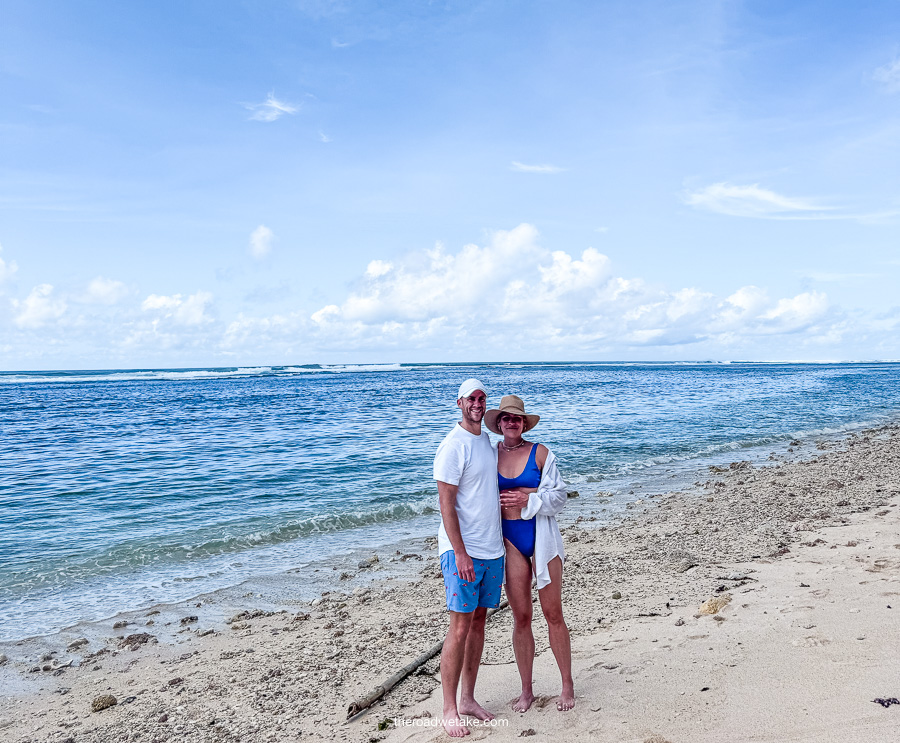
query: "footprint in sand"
811, 641
630, 670
882, 565
789, 609
542, 701
604, 664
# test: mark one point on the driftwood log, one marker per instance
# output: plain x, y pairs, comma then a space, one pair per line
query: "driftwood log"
359, 706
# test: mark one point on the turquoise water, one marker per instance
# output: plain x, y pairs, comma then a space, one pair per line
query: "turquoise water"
127, 488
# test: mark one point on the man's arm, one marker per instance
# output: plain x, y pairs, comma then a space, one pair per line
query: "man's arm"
447, 500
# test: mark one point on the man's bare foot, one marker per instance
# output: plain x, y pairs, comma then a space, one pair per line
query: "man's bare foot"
524, 702
454, 725
473, 709
566, 700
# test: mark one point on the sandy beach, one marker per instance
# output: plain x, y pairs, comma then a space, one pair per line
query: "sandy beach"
804, 557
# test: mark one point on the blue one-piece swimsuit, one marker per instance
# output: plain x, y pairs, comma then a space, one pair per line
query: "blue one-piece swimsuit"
521, 531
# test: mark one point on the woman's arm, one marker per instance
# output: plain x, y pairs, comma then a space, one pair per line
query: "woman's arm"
513, 501
550, 497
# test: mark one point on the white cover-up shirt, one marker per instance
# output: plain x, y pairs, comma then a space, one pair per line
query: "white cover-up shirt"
549, 499
470, 462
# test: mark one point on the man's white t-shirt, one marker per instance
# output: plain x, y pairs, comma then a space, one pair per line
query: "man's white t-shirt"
470, 462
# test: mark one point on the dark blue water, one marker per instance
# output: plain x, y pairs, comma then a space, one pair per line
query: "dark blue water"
123, 489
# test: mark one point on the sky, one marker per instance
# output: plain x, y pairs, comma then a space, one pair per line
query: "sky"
189, 183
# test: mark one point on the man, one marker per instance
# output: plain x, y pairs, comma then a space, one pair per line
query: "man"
470, 543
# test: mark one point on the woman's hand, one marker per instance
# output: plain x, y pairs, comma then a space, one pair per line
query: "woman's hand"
512, 502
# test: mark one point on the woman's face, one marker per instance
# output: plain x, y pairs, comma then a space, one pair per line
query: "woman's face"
511, 425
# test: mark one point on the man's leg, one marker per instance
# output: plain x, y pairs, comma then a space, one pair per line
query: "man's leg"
471, 661
452, 658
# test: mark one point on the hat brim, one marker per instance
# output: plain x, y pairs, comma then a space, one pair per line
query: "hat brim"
491, 417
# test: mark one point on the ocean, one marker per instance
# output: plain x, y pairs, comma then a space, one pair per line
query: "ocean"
123, 489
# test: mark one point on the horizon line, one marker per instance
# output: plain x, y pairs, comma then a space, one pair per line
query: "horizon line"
250, 368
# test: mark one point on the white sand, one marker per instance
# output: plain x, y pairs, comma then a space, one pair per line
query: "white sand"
786, 663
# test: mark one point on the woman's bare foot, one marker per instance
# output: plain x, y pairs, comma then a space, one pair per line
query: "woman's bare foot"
454, 725
566, 700
524, 702
473, 709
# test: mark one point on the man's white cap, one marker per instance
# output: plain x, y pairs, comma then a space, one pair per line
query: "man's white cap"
468, 387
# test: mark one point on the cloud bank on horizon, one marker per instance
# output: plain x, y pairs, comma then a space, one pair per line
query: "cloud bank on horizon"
358, 182
508, 298
511, 291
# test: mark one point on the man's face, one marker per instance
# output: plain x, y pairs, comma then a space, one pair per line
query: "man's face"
473, 406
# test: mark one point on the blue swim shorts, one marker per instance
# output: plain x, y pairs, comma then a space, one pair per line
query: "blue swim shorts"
484, 591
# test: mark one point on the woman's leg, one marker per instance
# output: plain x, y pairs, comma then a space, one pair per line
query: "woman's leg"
518, 592
551, 604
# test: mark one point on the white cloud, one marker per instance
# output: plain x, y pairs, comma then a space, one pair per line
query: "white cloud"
512, 291
754, 201
105, 291
7, 269
889, 76
271, 109
760, 203
189, 311
750, 311
796, 312
323, 137
192, 312
687, 302
39, 308
378, 268
746, 301
436, 283
329, 313
157, 302
261, 242
566, 274
523, 168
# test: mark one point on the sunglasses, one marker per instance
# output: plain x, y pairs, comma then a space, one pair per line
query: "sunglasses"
511, 418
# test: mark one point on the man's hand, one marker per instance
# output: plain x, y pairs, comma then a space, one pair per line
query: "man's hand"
464, 566
447, 501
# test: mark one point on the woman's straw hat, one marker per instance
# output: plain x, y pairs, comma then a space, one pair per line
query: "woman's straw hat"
513, 405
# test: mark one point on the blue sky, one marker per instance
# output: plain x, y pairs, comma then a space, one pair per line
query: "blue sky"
326, 181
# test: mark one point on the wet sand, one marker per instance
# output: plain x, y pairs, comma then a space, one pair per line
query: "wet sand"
808, 552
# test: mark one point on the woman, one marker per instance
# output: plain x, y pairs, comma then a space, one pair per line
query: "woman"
532, 492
